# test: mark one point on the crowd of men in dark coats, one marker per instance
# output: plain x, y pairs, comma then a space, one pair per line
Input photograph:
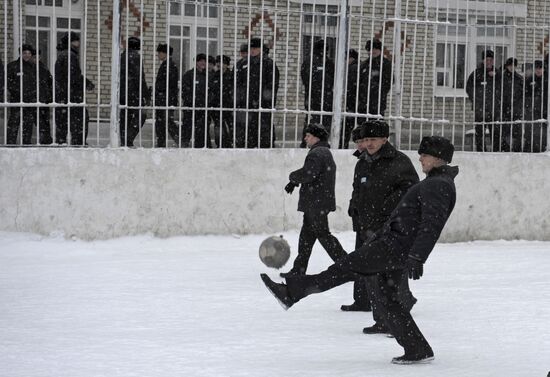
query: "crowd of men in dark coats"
30, 81
508, 105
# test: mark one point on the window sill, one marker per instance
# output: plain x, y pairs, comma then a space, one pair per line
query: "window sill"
455, 93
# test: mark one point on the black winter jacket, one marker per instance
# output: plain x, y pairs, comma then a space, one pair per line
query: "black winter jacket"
322, 67
131, 84
21, 81
259, 81
67, 66
317, 179
45, 83
484, 92
193, 83
379, 183
375, 79
1, 81
166, 84
221, 89
512, 95
536, 103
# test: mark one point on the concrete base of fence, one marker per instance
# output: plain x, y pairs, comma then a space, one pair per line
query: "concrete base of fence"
106, 193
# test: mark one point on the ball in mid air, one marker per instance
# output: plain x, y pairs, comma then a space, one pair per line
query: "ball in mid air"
274, 251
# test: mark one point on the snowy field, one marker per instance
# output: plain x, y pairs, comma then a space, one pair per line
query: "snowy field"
195, 306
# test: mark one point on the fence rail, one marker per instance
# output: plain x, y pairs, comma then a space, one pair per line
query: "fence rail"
251, 74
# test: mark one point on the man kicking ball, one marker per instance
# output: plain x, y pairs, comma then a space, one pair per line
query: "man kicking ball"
404, 242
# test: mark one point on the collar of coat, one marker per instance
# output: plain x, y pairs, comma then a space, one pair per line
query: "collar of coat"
321, 143
451, 171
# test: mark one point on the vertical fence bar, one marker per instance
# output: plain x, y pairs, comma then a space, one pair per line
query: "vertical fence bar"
115, 72
340, 69
397, 73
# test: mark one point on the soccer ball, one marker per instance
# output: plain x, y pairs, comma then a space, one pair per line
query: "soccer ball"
274, 252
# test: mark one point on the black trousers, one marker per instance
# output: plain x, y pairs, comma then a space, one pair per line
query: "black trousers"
254, 130
131, 121
196, 127
396, 315
164, 121
223, 128
24, 116
74, 119
315, 227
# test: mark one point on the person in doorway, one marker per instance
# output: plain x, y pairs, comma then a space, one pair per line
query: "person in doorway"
382, 176
69, 87
317, 179
45, 95
194, 88
404, 243
221, 95
510, 136
166, 94
483, 88
21, 83
134, 92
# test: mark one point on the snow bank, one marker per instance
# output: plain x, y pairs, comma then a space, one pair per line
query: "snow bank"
105, 193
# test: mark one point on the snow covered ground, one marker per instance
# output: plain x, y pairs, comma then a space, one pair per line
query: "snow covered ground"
195, 306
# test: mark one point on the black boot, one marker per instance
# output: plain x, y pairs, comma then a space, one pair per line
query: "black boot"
355, 307
377, 328
279, 291
414, 358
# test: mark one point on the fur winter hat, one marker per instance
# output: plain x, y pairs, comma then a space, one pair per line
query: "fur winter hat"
28, 47
163, 47
356, 134
224, 59
317, 130
134, 43
487, 54
375, 128
539, 64
255, 43
375, 44
437, 146
353, 54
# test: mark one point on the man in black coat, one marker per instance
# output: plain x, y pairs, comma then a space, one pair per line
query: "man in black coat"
2, 88
194, 86
221, 95
351, 98
21, 83
317, 179
404, 242
510, 135
134, 92
166, 94
317, 74
257, 86
535, 109
483, 89
382, 176
375, 80
67, 67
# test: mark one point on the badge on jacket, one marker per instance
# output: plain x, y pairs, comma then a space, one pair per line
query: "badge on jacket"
363, 180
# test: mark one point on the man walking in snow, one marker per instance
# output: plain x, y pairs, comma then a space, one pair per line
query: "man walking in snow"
404, 242
316, 179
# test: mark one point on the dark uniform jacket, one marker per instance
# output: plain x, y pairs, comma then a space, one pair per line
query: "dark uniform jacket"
67, 66
45, 81
221, 89
351, 88
379, 183
413, 227
512, 95
194, 80
166, 84
1, 81
317, 179
21, 81
260, 80
484, 92
375, 77
131, 84
535, 103
321, 72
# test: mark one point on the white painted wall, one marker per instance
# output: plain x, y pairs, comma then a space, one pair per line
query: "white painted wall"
105, 193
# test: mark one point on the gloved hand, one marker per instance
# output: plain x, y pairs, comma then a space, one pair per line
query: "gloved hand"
352, 211
415, 268
289, 188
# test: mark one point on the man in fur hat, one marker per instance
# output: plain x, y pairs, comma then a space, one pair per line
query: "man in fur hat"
404, 243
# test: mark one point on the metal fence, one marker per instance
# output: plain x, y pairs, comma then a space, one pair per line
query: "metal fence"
251, 74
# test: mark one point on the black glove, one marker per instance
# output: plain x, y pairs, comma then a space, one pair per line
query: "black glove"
352, 211
290, 187
415, 268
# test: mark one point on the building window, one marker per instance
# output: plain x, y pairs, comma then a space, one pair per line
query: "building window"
460, 40
193, 29
318, 23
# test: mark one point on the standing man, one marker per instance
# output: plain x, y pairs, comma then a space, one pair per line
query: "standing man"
511, 135
483, 87
257, 86
194, 87
69, 87
166, 94
221, 95
375, 79
1, 81
535, 109
382, 176
134, 92
22, 87
317, 180
317, 74
351, 98
404, 242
